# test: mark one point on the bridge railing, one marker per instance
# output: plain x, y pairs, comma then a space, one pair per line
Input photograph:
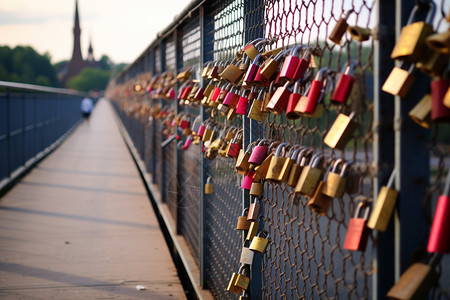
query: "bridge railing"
33, 120
305, 258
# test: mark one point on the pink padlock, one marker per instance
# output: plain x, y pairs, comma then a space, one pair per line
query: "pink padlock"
243, 103
248, 180
201, 130
171, 93
252, 70
232, 98
259, 153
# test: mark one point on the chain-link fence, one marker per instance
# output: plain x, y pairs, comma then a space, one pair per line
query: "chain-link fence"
306, 257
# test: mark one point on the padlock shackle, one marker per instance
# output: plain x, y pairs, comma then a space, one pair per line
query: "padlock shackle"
263, 232
295, 50
305, 156
346, 14
336, 165
260, 95
209, 179
344, 168
430, 14
245, 212
320, 74
447, 185
349, 68
297, 86
315, 160
242, 270
281, 54
296, 152
362, 204
390, 182
255, 61
280, 148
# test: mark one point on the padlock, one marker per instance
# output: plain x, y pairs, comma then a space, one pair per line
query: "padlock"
290, 64
256, 189
260, 242
232, 98
231, 114
319, 202
252, 70
247, 255
248, 180
439, 42
344, 84
421, 113
232, 73
245, 63
242, 165
252, 230
303, 64
235, 145
279, 99
289, 162
439, 112
294, 97
171, 93
359, 34
255, 111
196, 125
340, 28
223, 92
341, 131
251, 49
216, 92
399, 81
185, 122
206, 69
384, 206
439, 240
410, 45
432, 63
242, 222
186, 91
336, 181
243, 103
272, 64
316, 92
243, 279
209, 132
253, 210
184, 75
209, 188
231, 287
261, 170
267, 95
416, 282
199, 93
302, 157
310, 176
259, 153
357, 231
276, 164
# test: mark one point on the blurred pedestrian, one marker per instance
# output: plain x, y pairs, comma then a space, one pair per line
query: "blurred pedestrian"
86, 107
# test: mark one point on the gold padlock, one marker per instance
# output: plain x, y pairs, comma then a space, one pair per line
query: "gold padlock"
416, 282
276, 164
252, 230
289, 162
256, 189
246, 254
399, 81
341, 131
421, 113
359, 34
256, 108
206, 69
340, 28
384, 206
243, 280
209, 188
253, 210
302, 157
242, 165
440, 42
271, 65
410, 45
260, 242
243, 223
336, 180
432, 63
261, 170
232, 73
319, 202
231, 285
310, 176
231, 114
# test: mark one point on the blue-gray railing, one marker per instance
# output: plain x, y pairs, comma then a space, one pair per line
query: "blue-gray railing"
33, 119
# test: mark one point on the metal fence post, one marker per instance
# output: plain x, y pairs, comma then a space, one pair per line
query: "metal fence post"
8, 130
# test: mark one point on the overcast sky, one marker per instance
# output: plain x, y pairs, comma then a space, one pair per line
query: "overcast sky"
121, 29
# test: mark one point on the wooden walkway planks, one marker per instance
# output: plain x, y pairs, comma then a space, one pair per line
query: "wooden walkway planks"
80, 225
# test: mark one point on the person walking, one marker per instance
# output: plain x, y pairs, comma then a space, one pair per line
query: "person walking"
86, 108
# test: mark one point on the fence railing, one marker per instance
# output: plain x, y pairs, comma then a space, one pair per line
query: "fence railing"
306, 257
33, 119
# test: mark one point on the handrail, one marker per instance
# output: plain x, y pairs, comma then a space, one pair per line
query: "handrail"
40, 88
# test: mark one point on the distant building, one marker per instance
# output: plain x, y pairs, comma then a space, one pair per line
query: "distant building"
76, 63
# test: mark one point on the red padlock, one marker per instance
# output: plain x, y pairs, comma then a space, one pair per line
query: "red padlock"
358, 232
232, 98
294, 97
259, 153
290, 64
316, 92
171, 93
279, 99
248, 180
252, 70
199, 93
439, 240
302, 65
223, 92
243, 103
439, 112
184, 122
181, 90
201, 129
214, 73
235, 145
186, 92
216, 93
344, 84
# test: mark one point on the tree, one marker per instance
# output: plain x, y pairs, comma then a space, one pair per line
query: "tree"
89, 79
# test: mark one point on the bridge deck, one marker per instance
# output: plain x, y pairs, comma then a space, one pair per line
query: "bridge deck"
80, 225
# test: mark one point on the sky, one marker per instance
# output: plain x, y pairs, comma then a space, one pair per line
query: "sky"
121, 29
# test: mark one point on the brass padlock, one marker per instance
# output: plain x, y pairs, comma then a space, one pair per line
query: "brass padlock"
261, 170
432, 63
416, 282
231, 114
253, 210
336, 180
242, 165
319, 202
255, 111
289, 162
246, 254
340, 28
209, 132
206, 69
359, 34
231, 285
310, 176
341, 131
276, 164
399, 81
302, 158
232, 73
272, 64
251, 50
243, 223
384, 206
256, 189
243, 279
209, 188
439, 42
260, 242
410, 45
421, 113
252, 230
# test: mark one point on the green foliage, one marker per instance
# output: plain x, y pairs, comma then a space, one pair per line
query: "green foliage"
24, 64
89, 79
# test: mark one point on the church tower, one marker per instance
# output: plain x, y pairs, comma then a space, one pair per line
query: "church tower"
76, 63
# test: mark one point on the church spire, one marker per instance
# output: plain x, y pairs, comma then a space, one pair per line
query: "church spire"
90, 51
76, 63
